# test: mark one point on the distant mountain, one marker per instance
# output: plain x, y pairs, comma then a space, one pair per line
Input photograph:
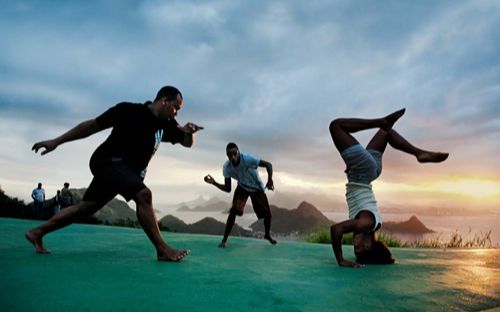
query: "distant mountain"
413, 226
202, 205
198, 201
183, 207
431, 211
173, 224
204, 226
327, 203
304, 219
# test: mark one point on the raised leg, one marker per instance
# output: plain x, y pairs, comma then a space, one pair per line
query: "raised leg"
341, 129
382, 137
379, 140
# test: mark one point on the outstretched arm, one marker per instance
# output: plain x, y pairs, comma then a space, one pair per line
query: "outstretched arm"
82, 130
226, 187
269, 168
348, 226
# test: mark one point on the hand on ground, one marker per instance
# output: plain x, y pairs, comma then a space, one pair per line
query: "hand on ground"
223, 245
350, 264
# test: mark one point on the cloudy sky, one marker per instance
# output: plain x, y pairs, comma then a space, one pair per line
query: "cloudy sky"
268, 75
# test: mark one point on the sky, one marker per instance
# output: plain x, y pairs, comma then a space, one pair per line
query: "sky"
268, 75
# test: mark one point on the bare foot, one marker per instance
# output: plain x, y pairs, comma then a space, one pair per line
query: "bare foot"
223, 245
36, 241
391, 119
270, 239
173, 255
434, 157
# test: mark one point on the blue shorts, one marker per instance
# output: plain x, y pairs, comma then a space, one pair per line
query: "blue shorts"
363, 165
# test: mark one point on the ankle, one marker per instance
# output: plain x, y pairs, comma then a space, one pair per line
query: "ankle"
36, 233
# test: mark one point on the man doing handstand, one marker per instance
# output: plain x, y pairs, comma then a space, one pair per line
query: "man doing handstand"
363, 166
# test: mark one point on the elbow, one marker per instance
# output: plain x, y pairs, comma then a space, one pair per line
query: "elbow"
332, 230
188, 143
335, 232
89, 127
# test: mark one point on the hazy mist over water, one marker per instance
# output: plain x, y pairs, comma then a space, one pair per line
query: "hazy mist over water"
443, 226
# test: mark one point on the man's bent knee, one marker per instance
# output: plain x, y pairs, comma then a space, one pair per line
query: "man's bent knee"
145, 196
236, 212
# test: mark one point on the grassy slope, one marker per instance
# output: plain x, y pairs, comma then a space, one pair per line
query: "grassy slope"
97, 268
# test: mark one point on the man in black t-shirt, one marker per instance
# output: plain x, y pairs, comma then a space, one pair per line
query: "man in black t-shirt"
119, 164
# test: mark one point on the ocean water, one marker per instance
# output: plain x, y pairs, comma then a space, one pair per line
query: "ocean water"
443, 226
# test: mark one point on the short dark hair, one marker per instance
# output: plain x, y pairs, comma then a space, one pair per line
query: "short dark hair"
378, 254
168, 92
231, 145
66, 184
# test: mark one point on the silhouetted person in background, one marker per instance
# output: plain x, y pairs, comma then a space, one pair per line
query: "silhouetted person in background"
66, 196
57, 202
38, 196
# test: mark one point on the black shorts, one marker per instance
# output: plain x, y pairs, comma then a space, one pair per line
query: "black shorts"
112, 179
259, 202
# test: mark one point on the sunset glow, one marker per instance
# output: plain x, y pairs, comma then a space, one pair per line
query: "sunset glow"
467, 187
470, 187
289, 180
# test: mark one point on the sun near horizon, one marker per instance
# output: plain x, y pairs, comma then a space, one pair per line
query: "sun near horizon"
461, 191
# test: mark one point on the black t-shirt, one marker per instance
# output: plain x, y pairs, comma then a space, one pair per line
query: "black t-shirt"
135, 137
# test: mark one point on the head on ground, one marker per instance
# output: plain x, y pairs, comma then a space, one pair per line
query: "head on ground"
233, 153
167, 103
368, 250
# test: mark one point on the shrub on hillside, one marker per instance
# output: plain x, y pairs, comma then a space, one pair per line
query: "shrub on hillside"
12, 207
323, 237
